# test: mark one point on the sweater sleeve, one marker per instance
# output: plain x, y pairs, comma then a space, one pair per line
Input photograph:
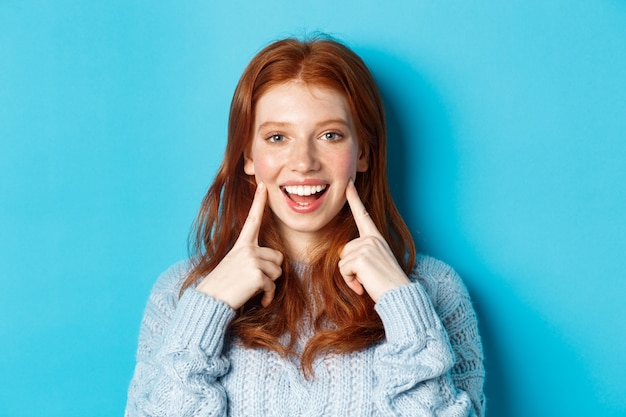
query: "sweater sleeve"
431, 361
179, 359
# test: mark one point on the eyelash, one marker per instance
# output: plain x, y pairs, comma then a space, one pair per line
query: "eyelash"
336, 135
279, 137
273, 136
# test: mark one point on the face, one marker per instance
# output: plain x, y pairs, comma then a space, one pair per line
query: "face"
305, 151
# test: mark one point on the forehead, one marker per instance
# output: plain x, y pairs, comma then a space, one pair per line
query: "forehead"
296, 100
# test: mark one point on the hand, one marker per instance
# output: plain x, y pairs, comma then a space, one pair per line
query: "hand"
367, 263
247, 269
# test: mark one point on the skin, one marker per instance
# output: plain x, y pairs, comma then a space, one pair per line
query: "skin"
367, 263
256, 267
303, 135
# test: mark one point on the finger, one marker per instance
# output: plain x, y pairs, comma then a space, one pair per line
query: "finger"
270, 269
350, 278
355, 285
269, 288
361, 217
250, 230
271, 255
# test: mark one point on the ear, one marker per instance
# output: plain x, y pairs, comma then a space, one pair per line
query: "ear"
248, 164
362, 164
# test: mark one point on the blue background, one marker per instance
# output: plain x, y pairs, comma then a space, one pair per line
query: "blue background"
507, 123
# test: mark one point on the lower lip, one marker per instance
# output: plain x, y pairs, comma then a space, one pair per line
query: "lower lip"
304, 209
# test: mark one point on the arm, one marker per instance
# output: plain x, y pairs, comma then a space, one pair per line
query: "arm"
431, 362
417, 367
179, 359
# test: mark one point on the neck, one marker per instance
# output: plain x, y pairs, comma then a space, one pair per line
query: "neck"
299, 245
299, 252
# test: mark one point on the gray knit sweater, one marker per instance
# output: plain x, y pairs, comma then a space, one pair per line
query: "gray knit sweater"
430, 363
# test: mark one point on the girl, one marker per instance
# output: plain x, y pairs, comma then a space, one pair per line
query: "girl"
304, 295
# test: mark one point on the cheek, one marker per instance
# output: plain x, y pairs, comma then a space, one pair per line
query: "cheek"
265, 167
345, 163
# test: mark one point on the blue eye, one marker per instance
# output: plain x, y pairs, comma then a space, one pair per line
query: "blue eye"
332, 136
276, 138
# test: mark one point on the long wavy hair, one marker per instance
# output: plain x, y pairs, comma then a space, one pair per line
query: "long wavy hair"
343, 321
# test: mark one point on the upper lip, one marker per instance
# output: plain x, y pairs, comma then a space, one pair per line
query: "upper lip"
310, 181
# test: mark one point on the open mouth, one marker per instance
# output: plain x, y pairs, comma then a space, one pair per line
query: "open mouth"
304, 195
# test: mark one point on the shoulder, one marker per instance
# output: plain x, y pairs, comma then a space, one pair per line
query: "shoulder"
172, 278
440, 280
430, 271
165, 291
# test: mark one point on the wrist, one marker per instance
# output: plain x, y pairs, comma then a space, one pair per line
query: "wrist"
407, 310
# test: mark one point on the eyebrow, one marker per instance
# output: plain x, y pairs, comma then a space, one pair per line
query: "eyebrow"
265, 125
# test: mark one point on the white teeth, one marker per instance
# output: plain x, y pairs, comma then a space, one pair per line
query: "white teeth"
304, 190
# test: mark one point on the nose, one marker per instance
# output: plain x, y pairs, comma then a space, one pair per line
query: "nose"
303, 157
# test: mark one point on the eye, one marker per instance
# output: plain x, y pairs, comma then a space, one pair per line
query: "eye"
275, 138
332, 136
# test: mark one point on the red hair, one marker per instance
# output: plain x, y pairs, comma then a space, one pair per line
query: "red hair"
343, 321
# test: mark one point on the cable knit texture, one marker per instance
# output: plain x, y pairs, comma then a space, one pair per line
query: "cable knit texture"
430, 363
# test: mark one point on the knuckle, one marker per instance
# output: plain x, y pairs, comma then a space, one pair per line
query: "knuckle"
376, 242
370, 239
248, 251
257, 278
276, 273
252, 218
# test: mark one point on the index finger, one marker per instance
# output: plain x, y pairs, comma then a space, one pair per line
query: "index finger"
363, 221
250, 230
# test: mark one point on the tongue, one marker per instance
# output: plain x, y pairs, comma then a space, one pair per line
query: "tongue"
303, 199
